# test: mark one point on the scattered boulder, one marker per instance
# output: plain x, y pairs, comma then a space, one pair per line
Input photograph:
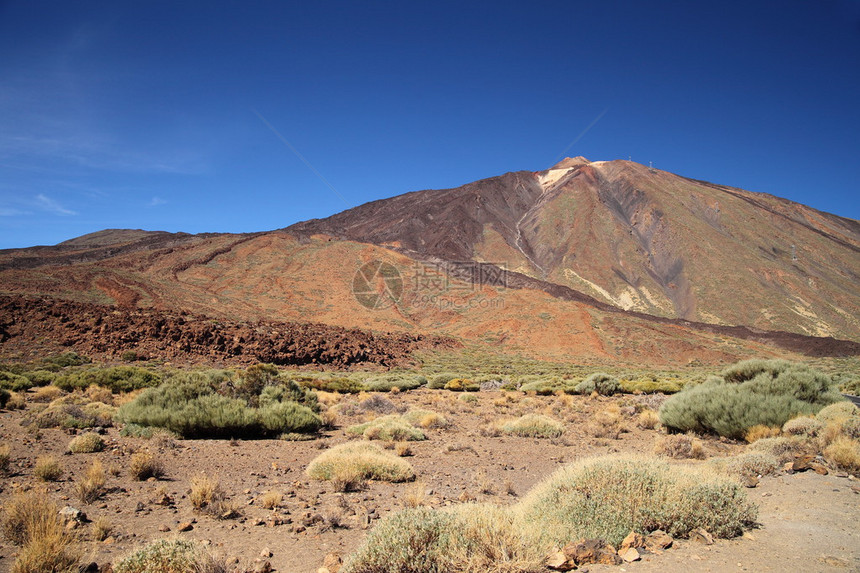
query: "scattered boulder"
69, 513
658, 540
633, 539
701, 535
183, 527
629, 555
587, 551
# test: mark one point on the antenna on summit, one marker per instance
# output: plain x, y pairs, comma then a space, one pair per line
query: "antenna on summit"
651, 167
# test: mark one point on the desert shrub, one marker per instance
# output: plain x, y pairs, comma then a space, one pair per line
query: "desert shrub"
86, 443
5, 458
63, 414
46, 394
534, 426
746, 464
64, 360
193, 409
607, 423
462, 385
90, 487
144, 465
16, 382
782, 448
850, 386
117, 378
16, 401
4, 397
545, 387
838, 411
803, 426
362, 459
471, 538
48, 468
680, 446
419, 539
388, 428
438, 381
425, 418
766, 392
749, 369
608, 497
648, 386
377, 404
336, 384
171, 556
603, 384
468, 398
844, 453
385, 382
39, 377
32, 521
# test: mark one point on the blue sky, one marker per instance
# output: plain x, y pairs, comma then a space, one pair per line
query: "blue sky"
192, 116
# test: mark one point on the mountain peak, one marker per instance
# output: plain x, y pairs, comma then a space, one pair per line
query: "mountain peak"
569, 162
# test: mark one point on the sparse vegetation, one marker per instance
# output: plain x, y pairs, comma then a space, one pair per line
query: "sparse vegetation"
844, 453
118, 379
5, 458
271, 499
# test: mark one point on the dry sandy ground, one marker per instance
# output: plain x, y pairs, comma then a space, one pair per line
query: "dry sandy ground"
808, 522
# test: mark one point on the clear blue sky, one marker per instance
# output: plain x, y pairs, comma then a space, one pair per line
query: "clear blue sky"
122, 114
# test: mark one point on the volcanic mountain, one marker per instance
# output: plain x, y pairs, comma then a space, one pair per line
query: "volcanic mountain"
602, 261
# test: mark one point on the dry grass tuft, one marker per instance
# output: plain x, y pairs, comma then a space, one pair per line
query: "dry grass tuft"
607, 423
145, 465
32, 521
208, 496
91, 486
533, 426
416, 495
403, 449
680, 446
46, 394
5, 458
760, 431
271, 499
648, 420
101, 529
48, 468
844, 453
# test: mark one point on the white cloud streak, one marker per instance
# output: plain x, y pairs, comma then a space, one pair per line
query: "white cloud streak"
48, 204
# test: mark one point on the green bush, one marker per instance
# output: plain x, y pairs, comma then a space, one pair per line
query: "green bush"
116, 378
438, 381
607, 498
195, 410
386, 382
69, 412
170, 556
651, 386
14, 382
603, 384
39, 377
545, 387
342, 385
754, 392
